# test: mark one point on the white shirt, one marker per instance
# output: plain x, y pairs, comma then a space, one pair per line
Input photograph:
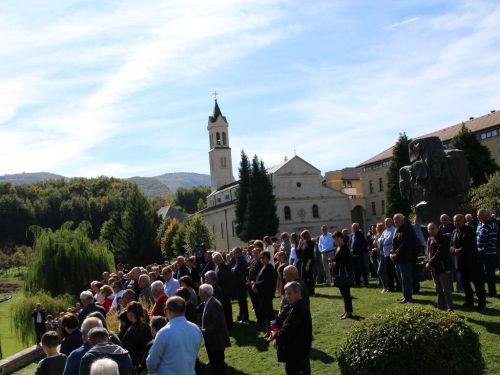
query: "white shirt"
171, 287
325, 243
114, 305
270, 248
386, 240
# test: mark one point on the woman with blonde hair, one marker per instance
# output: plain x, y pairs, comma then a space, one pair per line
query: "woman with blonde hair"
109, 297
269, 247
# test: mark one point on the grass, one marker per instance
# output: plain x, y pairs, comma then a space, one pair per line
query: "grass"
250, 354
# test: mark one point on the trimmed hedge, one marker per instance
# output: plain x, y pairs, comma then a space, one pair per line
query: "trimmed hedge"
412, 340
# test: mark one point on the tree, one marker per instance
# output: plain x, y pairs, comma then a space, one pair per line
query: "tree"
66, 261
201, 204
167, 241
478, 156
18, 259
135, 241
486, 195
394, 202
197, 232
260, 218
241, 202
187, 199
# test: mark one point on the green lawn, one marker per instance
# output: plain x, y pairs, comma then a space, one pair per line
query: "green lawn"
9, 344
251, 355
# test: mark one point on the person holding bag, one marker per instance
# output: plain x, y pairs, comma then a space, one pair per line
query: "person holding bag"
344, 277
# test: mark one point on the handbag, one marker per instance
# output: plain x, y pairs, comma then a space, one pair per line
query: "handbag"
344, 278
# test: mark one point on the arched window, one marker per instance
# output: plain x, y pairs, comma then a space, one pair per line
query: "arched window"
315, 211
288, 215
217, 136
224, 140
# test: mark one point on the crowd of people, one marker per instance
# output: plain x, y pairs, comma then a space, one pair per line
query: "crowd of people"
164, 312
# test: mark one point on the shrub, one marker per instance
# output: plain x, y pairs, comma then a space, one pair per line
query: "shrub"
412, 340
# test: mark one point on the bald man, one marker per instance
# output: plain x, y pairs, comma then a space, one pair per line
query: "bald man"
290, 273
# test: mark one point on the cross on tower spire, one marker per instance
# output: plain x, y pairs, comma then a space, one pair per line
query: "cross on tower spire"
215, 94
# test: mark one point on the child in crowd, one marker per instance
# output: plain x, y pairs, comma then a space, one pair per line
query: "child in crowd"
54, 363
49, 323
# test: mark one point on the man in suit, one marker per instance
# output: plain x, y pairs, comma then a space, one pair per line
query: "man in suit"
464, 247
290, 273
183, 269
359, 247
89, 306
214, 330
208, 266
294, 338
39, 318
224, 279
240, 272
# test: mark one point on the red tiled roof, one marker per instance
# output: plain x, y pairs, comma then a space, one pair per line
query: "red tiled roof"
475, 125
350, 173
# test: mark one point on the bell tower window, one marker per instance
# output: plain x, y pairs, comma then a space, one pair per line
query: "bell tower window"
224, 140
217, 136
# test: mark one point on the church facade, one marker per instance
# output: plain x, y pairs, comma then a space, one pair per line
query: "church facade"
303, 202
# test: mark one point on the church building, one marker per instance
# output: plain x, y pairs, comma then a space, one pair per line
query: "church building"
302, 200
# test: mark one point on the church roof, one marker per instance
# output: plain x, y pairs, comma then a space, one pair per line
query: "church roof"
171, 212
224, 187
276, 168
217, 113
475, 125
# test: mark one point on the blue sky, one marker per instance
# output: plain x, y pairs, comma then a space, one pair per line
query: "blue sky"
124, 88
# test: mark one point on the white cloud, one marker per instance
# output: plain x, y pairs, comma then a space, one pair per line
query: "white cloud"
402, 23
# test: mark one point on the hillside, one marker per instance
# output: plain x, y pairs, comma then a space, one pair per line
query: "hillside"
185, 179
30, 178
151, 187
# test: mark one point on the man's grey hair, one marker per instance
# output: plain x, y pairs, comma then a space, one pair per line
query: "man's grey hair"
400, 216
468, 215
182, 258
158, 286
207, 288
296, 287
90, 323
216, 254
211, 275
98, 334
145, 277
86, 295
104, 366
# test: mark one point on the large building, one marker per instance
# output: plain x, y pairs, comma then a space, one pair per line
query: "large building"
303, 201
374, 170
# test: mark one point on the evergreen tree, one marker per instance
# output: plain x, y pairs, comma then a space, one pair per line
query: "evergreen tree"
187, 199
167, 241
241, 202
66, 261
486, 196
135, 241
261, 218
478, 156
201, 205
180, 238
197, 232
394, 202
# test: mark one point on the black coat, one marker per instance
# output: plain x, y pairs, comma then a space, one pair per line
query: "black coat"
402, 244
254, 269
216, 334
266, 282
240, 272
285, 305
465, 239
42, 313
209, 266
86, 311
343, 260
183, 271
360, 243
224, 279
438, 253
136, 340
295, 336
306, 248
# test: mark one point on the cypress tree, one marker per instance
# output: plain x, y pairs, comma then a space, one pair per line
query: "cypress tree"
135, 241
394, 202
261, 218
241, 202
478, 156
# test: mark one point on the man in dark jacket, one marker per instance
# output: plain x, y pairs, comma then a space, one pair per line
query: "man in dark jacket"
294, 339
224, 280
439, 263
359, 249
464, 247
253, 271
401, 255
102, 348
89, 306
209, 265
290, 273
39, 319
240, 272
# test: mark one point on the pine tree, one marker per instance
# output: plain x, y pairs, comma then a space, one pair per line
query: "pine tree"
261, 218
241, 202
135, 241
478, 156
394, 202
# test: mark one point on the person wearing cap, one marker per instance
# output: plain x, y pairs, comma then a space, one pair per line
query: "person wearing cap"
325, 247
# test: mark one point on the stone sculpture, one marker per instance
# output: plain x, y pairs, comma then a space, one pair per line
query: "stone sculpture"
434, 179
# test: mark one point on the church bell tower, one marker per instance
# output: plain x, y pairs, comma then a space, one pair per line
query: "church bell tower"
221, 166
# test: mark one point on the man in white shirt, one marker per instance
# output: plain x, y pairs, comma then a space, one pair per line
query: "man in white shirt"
171, 284
118, 290
386, 239
327, 251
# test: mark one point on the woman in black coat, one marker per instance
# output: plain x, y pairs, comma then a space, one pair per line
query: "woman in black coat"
138, 335
307, 250
342, 263
265, 287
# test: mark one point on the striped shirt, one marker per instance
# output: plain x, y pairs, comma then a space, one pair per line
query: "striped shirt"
486, 235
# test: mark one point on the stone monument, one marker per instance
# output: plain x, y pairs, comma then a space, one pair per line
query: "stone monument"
434, 179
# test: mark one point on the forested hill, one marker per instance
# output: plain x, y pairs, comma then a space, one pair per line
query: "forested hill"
152, 187
185, 179
30, 178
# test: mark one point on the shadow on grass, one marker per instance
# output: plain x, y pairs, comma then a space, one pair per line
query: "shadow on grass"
248, 335
319, 355
327, 296
492, 327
